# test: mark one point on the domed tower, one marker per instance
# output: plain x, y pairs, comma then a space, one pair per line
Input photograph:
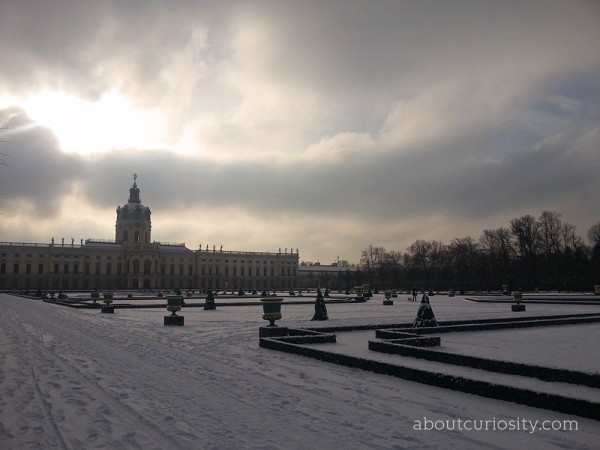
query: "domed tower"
133, 220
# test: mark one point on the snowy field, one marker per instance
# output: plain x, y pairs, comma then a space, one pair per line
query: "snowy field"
79, 379
573, 347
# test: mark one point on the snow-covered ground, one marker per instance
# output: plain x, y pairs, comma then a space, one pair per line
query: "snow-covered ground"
72, 378
574, 347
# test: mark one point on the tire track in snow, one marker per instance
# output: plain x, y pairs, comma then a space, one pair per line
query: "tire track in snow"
46, 409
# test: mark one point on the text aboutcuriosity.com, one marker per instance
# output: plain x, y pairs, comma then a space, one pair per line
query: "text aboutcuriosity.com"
493, 424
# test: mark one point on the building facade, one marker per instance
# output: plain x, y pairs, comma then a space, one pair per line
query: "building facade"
133, 261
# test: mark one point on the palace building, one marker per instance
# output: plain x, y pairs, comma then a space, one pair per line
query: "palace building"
133, 261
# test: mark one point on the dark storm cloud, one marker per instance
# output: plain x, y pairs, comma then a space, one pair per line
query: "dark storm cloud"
385, 186
39, 173
394, 112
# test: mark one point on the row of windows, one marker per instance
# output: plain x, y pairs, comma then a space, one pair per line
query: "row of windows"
74, 269
242, 261
85, 256
66, 256
203, 271
41, 255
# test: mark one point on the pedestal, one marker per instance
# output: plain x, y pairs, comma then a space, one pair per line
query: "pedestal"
517, 308
174, 320
388, 302
359, 299
272, 331
108, 309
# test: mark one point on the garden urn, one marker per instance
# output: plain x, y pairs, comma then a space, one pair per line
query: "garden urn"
271, 309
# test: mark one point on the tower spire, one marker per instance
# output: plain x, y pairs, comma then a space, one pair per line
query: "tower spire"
134, 192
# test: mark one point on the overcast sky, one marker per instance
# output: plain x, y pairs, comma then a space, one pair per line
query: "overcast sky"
319, 125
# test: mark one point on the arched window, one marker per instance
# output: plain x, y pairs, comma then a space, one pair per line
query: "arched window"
136, 266
147, 267
125, 236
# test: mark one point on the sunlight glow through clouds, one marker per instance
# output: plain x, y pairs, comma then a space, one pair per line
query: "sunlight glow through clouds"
87, 127
351, 123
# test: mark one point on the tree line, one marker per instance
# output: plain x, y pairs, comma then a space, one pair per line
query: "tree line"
530, 253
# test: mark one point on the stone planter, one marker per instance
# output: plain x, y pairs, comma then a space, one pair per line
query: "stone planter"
518, 298
108, 299
360, 293
174, 303
95, 296
387, 300
271, 309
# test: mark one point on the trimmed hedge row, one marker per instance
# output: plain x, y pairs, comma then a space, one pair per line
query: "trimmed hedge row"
508, 367
76, 305
554, 402
321, 339
419, 341
406, 325
499, 325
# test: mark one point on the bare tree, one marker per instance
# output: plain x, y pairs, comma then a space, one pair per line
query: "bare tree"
498, 243
593, 234
372, 257
420, 251
428, 261
569, 237
463, 254
500, 255
525, 231
551, 232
